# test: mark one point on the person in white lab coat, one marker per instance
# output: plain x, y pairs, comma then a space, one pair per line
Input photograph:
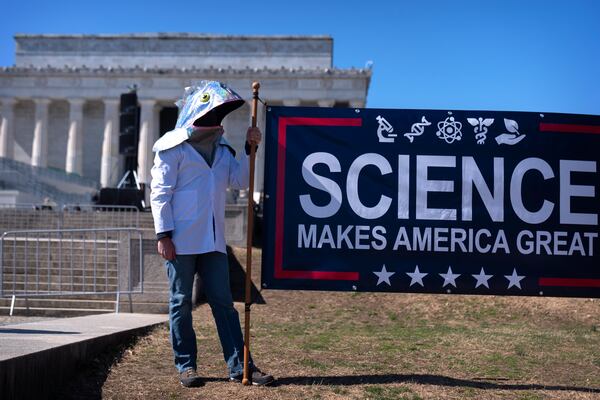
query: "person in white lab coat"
193, 167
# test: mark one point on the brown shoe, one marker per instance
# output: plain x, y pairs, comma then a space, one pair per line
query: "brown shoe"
257, 378
190, 378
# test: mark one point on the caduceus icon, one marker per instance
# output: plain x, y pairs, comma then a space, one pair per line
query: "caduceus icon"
481, 130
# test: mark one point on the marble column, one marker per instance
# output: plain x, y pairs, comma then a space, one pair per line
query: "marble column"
326, 102
147, 134
74, 159
39, 148
110, 144
7, 128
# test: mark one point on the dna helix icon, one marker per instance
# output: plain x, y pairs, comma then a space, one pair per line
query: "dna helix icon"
417, 129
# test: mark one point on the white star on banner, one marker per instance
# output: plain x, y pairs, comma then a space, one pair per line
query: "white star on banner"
383, 276
514, 279
416, 277
482, 279
449, 278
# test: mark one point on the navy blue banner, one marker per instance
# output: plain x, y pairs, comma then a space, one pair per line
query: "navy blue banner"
431, 201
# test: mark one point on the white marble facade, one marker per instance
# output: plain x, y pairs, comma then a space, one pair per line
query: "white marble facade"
59, 103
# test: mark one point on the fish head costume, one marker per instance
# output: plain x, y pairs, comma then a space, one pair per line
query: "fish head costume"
203, 105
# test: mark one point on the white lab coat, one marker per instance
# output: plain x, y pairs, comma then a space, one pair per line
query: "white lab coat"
188, 196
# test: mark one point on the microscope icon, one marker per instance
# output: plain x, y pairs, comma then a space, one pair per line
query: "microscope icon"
385, 127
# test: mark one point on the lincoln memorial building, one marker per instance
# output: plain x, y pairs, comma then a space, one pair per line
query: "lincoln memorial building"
59, 103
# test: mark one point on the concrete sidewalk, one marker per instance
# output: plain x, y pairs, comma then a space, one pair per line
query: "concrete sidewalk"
38, 356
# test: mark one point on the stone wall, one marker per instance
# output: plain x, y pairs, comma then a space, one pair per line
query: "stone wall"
174, 51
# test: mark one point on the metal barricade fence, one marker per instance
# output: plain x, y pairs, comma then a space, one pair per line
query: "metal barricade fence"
70, 216
28, 216
59, 262
99, 216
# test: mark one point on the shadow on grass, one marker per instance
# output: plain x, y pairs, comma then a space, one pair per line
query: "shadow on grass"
237, 276
436, 380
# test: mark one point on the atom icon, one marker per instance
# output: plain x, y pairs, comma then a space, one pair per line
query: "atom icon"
449, 130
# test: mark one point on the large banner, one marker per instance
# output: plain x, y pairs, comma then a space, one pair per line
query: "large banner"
431, 201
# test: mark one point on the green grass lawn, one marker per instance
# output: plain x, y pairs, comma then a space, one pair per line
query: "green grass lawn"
324, 345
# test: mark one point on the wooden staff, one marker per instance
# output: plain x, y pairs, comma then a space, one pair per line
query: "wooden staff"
250, 225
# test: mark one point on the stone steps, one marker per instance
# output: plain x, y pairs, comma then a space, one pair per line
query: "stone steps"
66, 249
20, 287
77, 249
54, 312
108, 303
153, 300
43, 182
85, 305
58, 307
44, 271
156, 286
142, 307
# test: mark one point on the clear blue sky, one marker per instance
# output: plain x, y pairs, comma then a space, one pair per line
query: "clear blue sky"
493, 55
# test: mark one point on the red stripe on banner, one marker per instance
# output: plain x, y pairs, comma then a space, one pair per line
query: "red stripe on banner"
317, 275
281, 138
279, 272
569, 128
569, 282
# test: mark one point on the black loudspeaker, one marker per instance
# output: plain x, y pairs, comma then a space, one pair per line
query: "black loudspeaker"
121, 197
129, 124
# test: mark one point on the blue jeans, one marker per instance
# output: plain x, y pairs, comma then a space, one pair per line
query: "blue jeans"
214, 272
